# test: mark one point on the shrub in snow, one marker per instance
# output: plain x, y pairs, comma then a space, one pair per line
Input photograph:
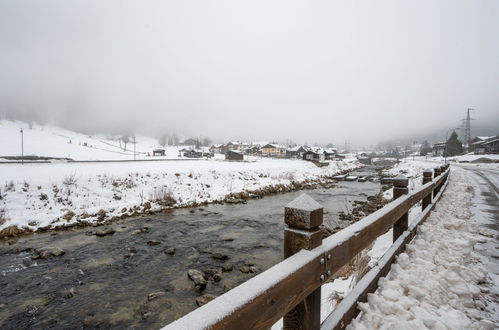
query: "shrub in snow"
3, 215
163, 197
70, 179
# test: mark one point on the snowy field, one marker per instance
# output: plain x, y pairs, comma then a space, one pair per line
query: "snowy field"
459, 159
40, 195
51, 141
439, 282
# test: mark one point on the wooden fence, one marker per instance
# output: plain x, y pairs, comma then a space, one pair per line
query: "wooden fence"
292, 288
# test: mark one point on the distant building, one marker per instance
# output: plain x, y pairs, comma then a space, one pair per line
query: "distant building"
158, 152
330, 153
364, 158
273, 150
312, 155
216, 149
438, 149
296, 152
234, 155
484, 145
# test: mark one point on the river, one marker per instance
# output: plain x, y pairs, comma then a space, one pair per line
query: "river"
126, 280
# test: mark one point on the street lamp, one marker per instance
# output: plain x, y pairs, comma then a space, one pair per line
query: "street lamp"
22, 146
134, 145
446, 141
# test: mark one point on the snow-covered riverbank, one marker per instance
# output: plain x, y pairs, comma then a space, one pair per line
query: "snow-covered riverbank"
35, 196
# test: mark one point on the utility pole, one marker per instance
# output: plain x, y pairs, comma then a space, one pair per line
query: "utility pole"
134, 144
22, 147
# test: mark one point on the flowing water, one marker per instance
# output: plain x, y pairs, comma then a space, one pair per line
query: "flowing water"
104, 282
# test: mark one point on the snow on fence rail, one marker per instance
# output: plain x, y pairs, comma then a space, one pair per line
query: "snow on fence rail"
291, 289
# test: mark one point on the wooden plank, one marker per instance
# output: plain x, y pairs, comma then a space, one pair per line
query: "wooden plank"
347, 308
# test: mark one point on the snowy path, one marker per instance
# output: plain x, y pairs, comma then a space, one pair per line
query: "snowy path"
485, 209
440, 282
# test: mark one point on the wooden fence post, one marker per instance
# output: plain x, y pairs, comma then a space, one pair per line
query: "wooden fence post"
303, 216
400, 184
436, 173
426, 178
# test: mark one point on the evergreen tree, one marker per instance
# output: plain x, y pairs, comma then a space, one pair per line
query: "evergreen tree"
425, 148
453, 146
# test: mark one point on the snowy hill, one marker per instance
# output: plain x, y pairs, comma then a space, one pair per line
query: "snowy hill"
52, 141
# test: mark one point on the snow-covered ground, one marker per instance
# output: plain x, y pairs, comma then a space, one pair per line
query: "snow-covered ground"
52, 141
39, 195
462, 158
439, 282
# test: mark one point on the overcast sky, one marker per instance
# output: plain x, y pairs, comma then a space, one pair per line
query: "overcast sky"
319, 71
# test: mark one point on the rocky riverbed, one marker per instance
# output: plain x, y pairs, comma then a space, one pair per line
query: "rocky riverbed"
145, 272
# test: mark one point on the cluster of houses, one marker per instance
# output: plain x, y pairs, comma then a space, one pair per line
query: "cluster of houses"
237, 150
479, 145
485, 145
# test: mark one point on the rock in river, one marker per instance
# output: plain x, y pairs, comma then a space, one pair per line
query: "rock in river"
171, 251
104, 232
47, 252
204, 299
154, 295
197, 277
227, 267
219, 256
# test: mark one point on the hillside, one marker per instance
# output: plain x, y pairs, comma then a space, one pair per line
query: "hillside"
56, 142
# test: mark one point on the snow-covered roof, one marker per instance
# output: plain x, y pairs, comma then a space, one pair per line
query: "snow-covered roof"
297, 148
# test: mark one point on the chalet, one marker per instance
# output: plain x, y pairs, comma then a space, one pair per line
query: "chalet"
330, 153
251, 150
216, 149
234, 155
485, 145
296, 152
313, 155
272, 150
235, 146
364, 158
158, 152
193, 153
438, 149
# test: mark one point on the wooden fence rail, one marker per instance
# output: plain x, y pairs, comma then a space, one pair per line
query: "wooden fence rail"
291, 289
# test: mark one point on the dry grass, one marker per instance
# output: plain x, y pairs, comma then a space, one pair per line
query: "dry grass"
70, 179
163, 197
3, 215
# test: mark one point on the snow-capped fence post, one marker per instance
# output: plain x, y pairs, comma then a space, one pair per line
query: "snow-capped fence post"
426, 178
400, 184
303, 216
436, 174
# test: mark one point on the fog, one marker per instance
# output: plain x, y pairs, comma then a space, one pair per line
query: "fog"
316, 71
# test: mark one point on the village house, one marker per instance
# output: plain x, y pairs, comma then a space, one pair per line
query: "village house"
273, 150
251, 150
158, 152
438, 149
311, 155
296, 152
216, 148
330, 153
234, 155
484, 145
